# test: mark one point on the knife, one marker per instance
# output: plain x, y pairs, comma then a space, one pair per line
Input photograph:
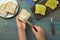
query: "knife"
52, 26
28, 22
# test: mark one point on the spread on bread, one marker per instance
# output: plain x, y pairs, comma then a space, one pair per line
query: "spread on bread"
52, 4
40, 9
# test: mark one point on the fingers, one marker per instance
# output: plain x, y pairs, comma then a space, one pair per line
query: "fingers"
20, 24
33, 30
24, 25
38, 28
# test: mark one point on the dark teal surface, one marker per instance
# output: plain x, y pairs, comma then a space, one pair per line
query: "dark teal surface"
8, 28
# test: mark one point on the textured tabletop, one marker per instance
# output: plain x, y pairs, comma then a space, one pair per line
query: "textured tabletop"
8, 28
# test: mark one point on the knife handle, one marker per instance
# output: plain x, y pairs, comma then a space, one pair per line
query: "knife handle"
53, 28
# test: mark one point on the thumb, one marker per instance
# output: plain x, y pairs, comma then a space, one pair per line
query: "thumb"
33, 30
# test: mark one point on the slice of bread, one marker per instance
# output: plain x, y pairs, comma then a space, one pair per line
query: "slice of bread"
52, 4
3, 12
40, 9
24, 15
3, 6
11, 7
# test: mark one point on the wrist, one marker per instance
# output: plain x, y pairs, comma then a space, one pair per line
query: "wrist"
21, 29
40, 38
22, 34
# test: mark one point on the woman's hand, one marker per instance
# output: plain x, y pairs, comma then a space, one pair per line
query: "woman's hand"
20, 24
39, 34
21, 29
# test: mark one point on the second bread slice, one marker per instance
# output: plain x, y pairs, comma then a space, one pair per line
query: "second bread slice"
11, 7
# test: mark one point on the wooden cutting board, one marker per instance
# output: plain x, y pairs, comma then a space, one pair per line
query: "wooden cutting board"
47, 12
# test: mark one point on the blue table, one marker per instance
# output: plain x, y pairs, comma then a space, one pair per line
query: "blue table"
8, 28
